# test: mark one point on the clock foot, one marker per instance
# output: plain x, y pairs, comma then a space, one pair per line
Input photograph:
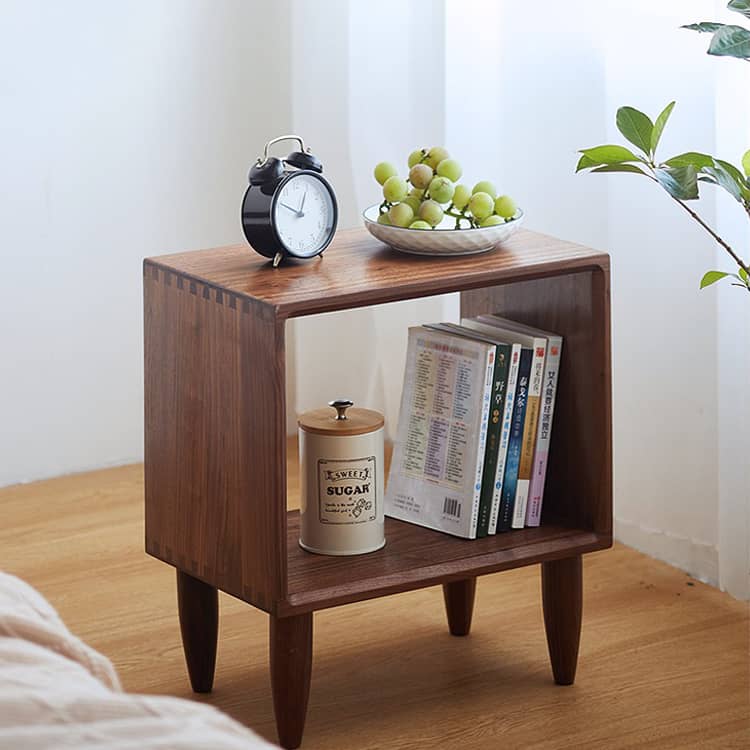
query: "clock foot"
320, 254
277, 259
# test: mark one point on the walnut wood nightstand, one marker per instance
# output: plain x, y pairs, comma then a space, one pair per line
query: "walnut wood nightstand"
216, 443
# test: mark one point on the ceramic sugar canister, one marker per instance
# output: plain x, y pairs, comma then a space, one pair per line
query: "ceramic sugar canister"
341, 466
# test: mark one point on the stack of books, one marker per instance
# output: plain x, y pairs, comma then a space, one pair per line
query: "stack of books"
470, 457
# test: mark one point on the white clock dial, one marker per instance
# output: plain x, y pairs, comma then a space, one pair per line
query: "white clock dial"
304, 214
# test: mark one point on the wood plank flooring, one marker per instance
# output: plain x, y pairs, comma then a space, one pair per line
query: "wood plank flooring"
663, 663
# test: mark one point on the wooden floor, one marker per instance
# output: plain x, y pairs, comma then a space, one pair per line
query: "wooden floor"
663, 663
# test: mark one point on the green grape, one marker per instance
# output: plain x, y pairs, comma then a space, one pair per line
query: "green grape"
413, 201
419, 224
435, 155
417, 193
383, 171
395, 189
481, 205
383, 219
431, 212
451, 169
416, 156
441, 189
420, 176
461, 197
401, 215
492, 221
485, 186
505, 206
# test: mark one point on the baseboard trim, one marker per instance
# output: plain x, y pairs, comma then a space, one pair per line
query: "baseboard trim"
699, 559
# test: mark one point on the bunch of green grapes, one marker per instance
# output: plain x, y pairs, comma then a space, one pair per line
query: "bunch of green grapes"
432, 191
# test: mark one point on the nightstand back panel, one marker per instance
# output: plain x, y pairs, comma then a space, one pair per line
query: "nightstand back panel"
215, 444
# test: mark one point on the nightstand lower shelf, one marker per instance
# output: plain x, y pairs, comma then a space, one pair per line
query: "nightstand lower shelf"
415, 557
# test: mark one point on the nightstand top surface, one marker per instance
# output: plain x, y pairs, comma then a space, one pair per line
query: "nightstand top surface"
358, 270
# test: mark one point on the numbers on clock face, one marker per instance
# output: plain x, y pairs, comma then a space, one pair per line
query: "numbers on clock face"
304, 215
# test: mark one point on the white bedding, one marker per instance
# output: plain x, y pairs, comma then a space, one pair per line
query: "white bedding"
56, 692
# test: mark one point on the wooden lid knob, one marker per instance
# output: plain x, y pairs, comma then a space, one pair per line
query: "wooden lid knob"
348, 419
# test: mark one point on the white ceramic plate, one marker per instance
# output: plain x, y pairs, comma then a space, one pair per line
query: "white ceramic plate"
444, 239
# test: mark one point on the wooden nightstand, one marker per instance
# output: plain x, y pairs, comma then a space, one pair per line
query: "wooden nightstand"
215, 446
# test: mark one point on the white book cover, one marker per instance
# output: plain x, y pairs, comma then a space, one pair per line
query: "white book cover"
538, 345
436, 471
547, 412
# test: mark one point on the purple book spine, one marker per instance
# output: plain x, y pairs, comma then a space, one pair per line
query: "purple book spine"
544, 430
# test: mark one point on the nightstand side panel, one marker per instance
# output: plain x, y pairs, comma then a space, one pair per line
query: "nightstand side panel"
215, 443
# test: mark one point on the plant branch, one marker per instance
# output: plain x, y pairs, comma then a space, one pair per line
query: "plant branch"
718, 239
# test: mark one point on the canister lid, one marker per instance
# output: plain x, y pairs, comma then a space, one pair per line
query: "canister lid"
341, 417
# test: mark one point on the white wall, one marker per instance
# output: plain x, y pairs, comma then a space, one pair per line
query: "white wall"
126, 130
664, 329
733, 347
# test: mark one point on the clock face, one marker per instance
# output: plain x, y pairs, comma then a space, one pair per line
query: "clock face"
304, 214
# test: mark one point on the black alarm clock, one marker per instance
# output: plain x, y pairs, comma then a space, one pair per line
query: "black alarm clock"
289, 208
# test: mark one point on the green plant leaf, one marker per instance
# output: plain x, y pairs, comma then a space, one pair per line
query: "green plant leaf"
736, 176
731, 41
692, 159
619, 168
586, 163
744, 276
607, 154
711, 277
746, 163
724, 179
636, 127
704, 27
740, 6
661, 121
679, 182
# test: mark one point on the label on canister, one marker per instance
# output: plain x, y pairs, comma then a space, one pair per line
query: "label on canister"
346, 490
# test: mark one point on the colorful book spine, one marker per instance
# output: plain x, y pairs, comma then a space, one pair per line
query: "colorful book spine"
549, 394
513, 461
486, 399
514, 361
497, 401
531, 423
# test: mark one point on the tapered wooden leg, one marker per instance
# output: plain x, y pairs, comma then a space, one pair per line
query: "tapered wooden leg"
459, 604
198, 605
562, 600
291, 666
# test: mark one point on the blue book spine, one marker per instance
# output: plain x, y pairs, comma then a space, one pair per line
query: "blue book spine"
515, 442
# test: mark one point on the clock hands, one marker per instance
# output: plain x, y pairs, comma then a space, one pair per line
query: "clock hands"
299, 210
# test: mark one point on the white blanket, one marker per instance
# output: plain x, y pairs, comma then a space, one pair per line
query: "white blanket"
56, 692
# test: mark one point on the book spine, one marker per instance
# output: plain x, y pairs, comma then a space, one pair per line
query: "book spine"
513, 358
514, 445
528, 442
497, 399
486, 399
549, 394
